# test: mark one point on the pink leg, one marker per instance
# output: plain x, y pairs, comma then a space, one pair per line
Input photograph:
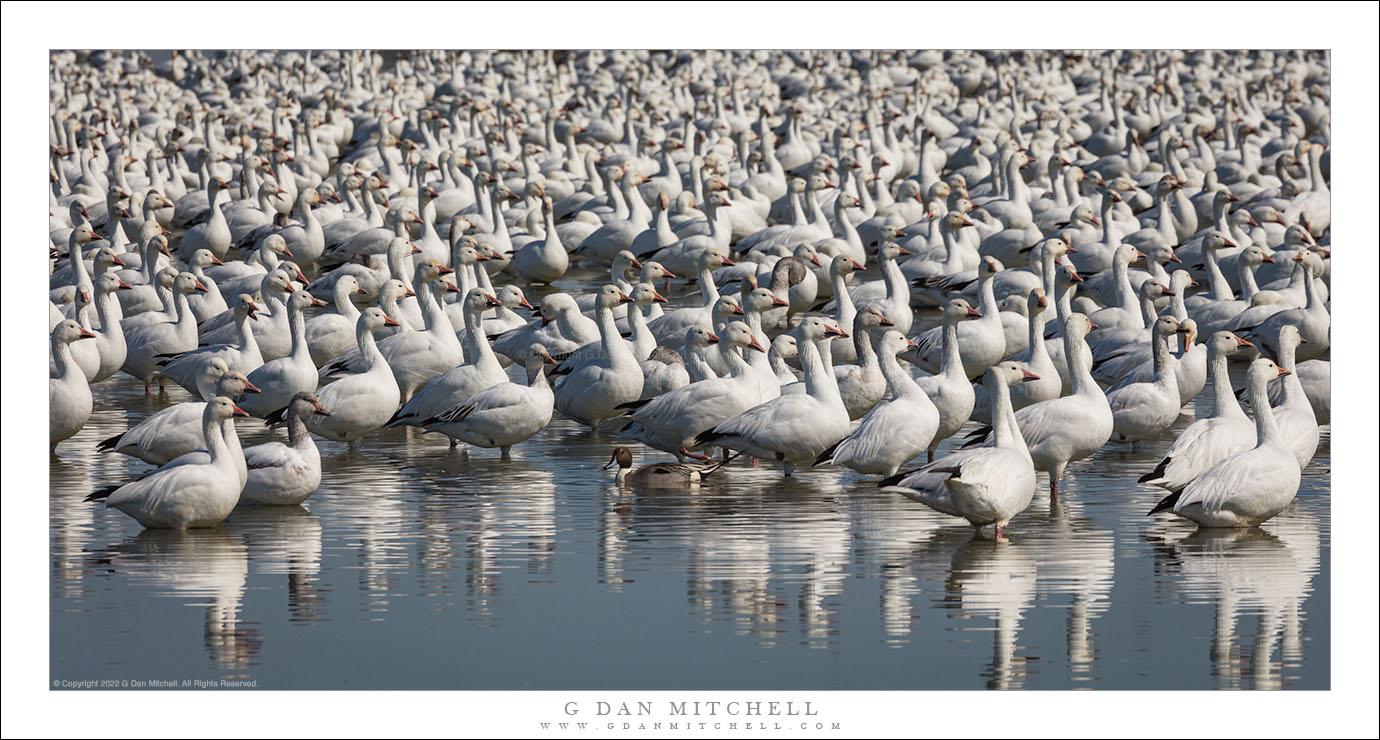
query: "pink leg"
1053, 488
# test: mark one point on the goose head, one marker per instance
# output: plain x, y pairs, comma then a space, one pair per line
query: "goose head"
737, 334
889, 251
511, 296
698, 337
1225, 343
786, 347
555, 304
610, 296
479, 300
186, 282
645, 294
759, 300
869, 318
374, 320
818, 328
653, 271
276, 284
1007, 374
894, 342
843, 265
201, 258
714, 258
624, 261
221, 408
1262, 371
234, 383
958, 309
301, 300
305, 403
244, 306
1078, 325
68, 331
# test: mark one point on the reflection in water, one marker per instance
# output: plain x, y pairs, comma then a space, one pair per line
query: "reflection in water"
204, 568
1266, 573
779, 577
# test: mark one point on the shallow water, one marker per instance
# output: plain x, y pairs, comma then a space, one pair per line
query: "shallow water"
419, 567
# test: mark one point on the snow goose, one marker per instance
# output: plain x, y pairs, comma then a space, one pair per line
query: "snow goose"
280, 380
683, 255
145, 344
102, 358
863, 384
659, 474
671, 325
331, 334
362, 402
1066, 429
212, 302
305, 239
1034, 358
270, 329
671, 422
664, 371
1313, 320
793, 428
1226, 431
1188, 361
1143, 410
896, 304
982, 343
416, 356
987, 485
543, 260
243, 354
1212, 314
1298, 425
176, 430
561, 328
504, 414
593, 391
69, 394
285, 474
480, 370
783, 348
894, 431
950, 389
198, 493
1127, 310
214, 234
1250, 487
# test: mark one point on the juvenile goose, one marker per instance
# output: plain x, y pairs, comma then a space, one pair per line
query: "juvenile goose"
285, 474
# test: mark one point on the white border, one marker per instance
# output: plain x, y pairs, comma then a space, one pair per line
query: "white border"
1350, 30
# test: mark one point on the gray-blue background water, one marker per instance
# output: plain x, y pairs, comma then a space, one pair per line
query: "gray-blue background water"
418, 567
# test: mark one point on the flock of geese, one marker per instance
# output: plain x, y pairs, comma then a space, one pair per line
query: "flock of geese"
342, 242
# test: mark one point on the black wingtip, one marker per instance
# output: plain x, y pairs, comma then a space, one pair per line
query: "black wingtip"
275, 417
110, 443
634, 404
1158, 472
892, 480
706, 437
101, 494
1166, 503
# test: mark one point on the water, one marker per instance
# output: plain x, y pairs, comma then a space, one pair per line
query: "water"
419, 567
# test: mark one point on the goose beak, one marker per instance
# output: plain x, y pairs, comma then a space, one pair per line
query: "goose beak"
974, 313
1042, 302
815, 259
317, 302
1229, 243
124, 286
86, 335
713, 338
526, 305
361, 291
116, 259
491, 301
625, 298
387, 321
250, 387
737, 310
450, 288
911, 344
1027, 376
636, 264
756, 346
443, 270
665, 273
239, 411
200, 288
657, 297
409, 293
1175, 258
830, 331
1303, 341
214, 260
1169, 291
884, 321
318, 409
415, 249
1181, 330
726, 261
1243, 343
1283, 372
775, 301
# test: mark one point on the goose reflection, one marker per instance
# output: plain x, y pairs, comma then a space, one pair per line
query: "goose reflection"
993, 580
370, 507
1267, 573
285, 540
808, 545
207, 567
886, 531
1078, 560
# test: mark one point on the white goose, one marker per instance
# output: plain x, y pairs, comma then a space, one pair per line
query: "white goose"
280, 380
593, 391
242, 355
671, 326
987, 485
199, 493
1250, 487
949, 389
982, 343
671, 422
362, 402
505, 414
1226, 431
481, 369
863, 384
894, 431
69, 394
1143, 410
146, 343
332, 334
793, 428
285, 474
1298, 425
1066, 429
176, 430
